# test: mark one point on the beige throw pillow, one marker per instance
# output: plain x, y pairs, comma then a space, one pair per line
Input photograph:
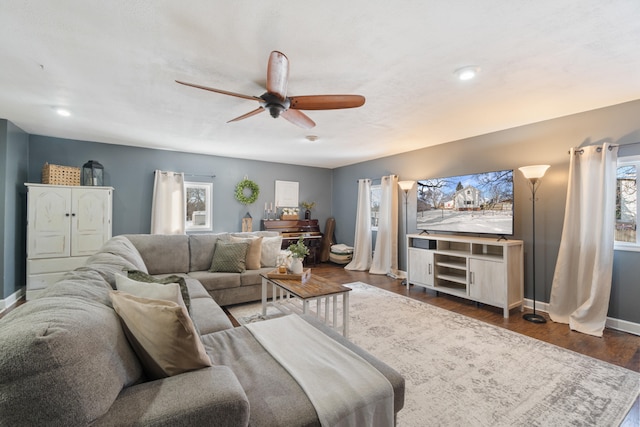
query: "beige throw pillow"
161, 333
169, 292
252, 259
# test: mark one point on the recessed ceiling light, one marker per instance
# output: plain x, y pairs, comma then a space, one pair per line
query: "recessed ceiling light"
63, 112
467, 73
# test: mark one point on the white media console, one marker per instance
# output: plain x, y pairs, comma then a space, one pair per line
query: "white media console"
481, 269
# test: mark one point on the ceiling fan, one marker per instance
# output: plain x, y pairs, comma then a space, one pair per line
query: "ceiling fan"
275, 99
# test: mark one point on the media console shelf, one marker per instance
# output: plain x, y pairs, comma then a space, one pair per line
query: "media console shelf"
486, 270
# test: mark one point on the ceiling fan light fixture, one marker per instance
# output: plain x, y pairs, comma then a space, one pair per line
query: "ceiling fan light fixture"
467, 73
311, 138
275, 110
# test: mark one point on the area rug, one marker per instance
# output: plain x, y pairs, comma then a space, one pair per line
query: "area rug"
463, 372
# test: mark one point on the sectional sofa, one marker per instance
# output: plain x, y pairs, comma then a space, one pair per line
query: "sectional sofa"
68, 358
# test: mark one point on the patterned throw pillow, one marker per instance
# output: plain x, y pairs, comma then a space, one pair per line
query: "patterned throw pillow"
229, 257
252, 259
141, 276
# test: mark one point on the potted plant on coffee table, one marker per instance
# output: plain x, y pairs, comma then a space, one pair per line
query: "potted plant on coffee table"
298, 252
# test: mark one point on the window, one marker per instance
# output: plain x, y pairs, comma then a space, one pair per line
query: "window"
376, 194
199, 206
626, 236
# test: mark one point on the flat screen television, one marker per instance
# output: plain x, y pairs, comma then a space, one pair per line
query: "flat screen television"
479, 203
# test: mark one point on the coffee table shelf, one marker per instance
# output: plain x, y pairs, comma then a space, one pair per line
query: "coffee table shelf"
315, 288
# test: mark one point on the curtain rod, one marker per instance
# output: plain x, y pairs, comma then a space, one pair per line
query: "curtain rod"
599, 149
189, 174
201, 176
376, 179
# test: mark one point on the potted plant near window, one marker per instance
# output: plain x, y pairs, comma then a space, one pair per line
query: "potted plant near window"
298, 252
307, 206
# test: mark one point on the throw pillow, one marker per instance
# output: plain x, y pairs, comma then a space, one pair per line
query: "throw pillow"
270, 250
141, 276
169, 291
252, 260
229, 257
161, 333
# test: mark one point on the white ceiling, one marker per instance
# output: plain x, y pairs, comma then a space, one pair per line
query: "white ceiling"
113, 65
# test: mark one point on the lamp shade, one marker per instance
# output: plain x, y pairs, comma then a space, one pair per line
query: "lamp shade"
534, 172
405, 185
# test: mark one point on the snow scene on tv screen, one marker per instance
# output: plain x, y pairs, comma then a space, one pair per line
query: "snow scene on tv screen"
476, 203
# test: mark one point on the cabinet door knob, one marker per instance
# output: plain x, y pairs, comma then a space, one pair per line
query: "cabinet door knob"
66, 214
73, 214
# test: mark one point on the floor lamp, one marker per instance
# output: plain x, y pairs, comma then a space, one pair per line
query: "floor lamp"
405, 186
534, 174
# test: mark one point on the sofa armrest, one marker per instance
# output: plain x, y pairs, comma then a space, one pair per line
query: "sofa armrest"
193, 398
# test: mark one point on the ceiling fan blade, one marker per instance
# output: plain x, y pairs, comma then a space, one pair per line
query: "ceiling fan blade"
326, 102
224, 92
249, 114
298, 118
278, 74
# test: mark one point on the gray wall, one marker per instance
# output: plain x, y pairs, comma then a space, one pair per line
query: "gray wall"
13, 173
130, 171
540, 143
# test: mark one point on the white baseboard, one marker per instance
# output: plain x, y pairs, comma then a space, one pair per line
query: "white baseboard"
11, 300
612, 323
623, 325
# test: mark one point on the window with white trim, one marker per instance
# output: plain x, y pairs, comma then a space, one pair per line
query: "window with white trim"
626, 235
376, 194
199, 205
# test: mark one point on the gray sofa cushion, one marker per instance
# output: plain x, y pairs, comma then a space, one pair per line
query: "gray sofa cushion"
162, 253
260, 233
275, 398
108, 265
201, 248
209, 396
208, 316
120, 245
213, 281
82, 283
67, 357
252, 277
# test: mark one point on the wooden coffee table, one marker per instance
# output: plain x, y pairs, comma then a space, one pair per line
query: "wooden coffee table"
315, 288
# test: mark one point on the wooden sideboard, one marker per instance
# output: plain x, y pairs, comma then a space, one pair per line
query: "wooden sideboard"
291, 230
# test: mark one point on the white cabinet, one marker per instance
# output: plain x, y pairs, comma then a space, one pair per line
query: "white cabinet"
421, 270
481, 269
482, 277
64, 226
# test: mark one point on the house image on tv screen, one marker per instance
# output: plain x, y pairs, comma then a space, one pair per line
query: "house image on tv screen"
467, 199
475, 203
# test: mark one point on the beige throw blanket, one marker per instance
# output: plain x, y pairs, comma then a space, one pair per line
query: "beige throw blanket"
343, 387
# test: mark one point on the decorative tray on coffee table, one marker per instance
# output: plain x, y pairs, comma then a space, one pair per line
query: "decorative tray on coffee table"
306, 273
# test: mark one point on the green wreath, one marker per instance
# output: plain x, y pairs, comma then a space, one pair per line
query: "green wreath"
247, 184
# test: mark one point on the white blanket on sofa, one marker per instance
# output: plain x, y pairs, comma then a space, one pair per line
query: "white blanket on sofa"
344, 388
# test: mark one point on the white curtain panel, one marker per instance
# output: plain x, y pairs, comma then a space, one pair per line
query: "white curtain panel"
582, 279
385, 255
361, 260
168, 211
